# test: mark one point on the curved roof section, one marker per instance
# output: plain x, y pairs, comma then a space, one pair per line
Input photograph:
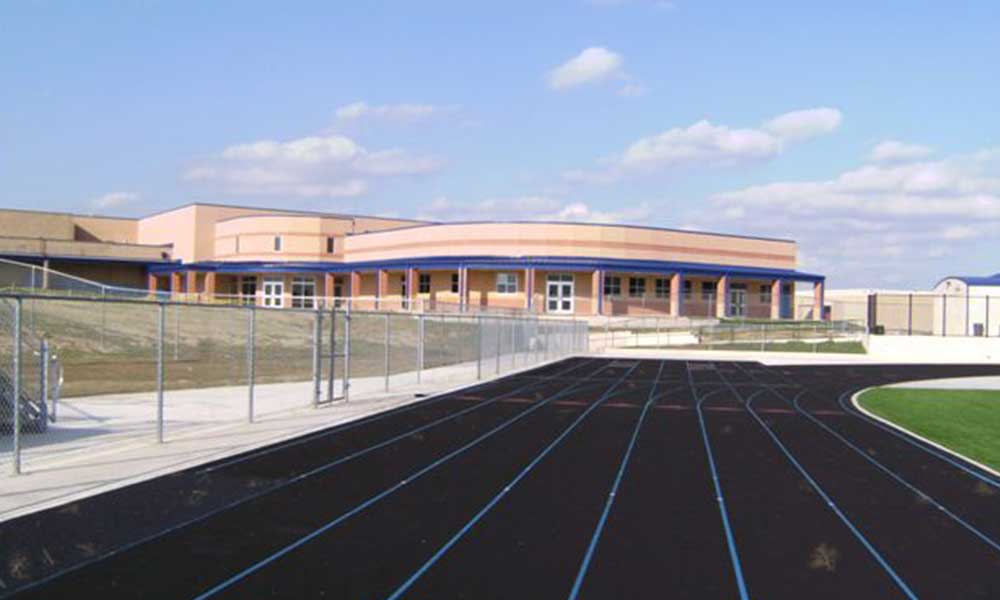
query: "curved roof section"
993, 279
583, 240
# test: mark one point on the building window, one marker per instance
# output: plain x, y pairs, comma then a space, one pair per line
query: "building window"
688, 287
636, 287
765, 294
338, 287
425, 283
454, 283
303, 292
612, 285
662, 287
403, 288
506, 283
248, 289
330, 245
708, 290
277, 243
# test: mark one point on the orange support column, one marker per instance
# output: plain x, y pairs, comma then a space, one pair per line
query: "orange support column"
597, 292
191, 283
721, 296
776, 299
175, 284
381, 286
676, 294
329, 281
210, 284
152, 284
355, 286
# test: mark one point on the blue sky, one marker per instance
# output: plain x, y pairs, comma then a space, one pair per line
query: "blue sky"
867, 131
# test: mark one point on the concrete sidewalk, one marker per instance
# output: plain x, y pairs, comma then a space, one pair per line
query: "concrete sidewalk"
104, 442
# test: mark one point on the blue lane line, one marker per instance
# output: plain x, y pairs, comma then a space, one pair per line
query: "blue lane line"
373, 418
414, 476
829, 501
402, 589
585, 565
847, 408
894, 475
315, 471
730, 540
929, 449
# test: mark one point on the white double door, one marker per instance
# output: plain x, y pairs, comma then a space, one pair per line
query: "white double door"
559, 293
274, 292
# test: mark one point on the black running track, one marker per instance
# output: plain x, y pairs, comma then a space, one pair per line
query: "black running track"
586, 478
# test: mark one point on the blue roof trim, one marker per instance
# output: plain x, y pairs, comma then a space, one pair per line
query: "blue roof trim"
494, 262
993, 279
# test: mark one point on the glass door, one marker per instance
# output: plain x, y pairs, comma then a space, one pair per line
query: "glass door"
559, 293
274, 293
737, 302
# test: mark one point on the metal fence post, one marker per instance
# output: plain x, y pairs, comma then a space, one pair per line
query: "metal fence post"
177, 336
16, 375
161, 325
909, 315
331, 382
347, 352
420, 345
944, 315
251, 361
43, 373
386, 352
499, 345
479, 347
317, 353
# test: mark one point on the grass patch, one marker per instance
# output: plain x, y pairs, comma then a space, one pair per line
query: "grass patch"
827, 347
966, 421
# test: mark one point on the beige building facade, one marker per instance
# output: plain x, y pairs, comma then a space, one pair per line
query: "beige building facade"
281, 258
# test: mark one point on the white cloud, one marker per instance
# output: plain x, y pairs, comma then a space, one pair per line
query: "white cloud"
531, 208
592, 65
802, 125
702, 143
875, 220
114, 200
893, 151
707, 144
393, 112
315, 166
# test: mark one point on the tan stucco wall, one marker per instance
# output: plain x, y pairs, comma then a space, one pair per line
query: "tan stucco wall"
208, 232
122, 231
31, 224
546, 239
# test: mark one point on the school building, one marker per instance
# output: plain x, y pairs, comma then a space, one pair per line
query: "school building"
287, 258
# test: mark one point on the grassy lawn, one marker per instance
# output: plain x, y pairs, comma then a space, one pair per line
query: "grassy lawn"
849, 347
967, 421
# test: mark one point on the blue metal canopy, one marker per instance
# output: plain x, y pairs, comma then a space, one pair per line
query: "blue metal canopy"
567, 263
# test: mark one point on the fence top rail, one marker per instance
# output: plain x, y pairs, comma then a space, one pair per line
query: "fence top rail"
529, 317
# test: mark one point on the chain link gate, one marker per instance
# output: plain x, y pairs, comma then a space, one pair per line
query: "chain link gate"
333, 346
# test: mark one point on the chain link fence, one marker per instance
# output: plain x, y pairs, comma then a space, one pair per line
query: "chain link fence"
762, 336
83, 373
950, 315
